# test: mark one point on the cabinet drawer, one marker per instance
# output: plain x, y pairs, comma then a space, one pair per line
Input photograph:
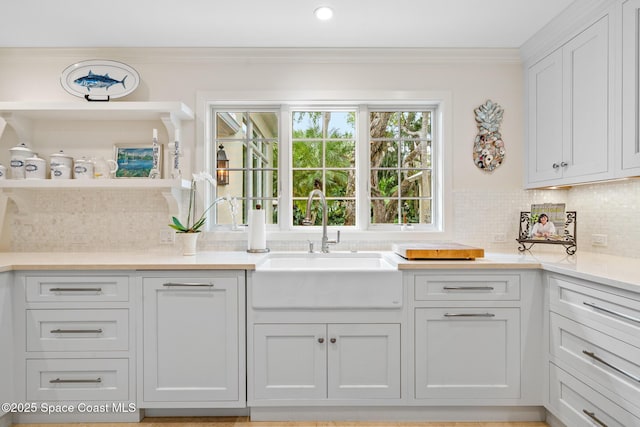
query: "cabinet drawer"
77, 288
612, 363
77, 379
612, 314
467, 287
77, 330
577, 404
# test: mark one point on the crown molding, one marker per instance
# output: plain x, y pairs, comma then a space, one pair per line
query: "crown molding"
269, 55
569, 23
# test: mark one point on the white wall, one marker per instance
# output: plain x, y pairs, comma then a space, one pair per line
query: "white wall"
471, 76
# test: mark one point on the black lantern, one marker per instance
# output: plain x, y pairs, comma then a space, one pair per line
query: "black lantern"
222, 166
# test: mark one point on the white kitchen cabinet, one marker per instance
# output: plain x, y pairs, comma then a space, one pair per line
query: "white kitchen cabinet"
476, 337
467, 352
74, 343
570, 108
630, 88
6, 341
326, 361
191, 340
593, 363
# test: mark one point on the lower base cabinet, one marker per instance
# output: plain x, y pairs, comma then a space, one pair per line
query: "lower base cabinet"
192, 326
467, 352
326, 361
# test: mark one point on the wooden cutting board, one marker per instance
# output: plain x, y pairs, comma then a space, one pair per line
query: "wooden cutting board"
415, 251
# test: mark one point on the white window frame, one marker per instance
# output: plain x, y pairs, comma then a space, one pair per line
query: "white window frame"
440, 101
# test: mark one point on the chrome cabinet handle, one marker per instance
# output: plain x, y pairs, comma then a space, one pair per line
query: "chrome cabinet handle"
76, 289
468, 288
555, 166
62, 381
592, 415
615, 313
76, 331
615, 368
469, 315
320, 340
333, 340
186, 284
563, 164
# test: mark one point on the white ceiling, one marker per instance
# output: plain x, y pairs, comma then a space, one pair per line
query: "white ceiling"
273, 23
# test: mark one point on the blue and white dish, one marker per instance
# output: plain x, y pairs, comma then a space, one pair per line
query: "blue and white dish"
100, 79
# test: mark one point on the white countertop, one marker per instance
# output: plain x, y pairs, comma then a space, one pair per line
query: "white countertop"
611, 270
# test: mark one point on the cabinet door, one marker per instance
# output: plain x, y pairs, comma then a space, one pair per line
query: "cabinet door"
190, 339
364, 361
630, 88
290, 361
469, 353
545, 119
586, 103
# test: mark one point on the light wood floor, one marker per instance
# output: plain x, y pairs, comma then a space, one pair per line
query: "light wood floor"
244, 422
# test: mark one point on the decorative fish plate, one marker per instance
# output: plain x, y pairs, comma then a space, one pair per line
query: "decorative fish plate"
99, 80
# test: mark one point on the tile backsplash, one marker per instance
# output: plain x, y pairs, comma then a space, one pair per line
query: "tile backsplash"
126, 220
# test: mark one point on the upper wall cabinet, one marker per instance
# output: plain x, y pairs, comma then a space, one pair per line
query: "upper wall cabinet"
630, 88
570, 110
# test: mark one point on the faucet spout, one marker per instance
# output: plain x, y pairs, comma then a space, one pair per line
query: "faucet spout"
307, 219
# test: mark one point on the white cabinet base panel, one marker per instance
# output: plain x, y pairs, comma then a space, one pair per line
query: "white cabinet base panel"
395, 413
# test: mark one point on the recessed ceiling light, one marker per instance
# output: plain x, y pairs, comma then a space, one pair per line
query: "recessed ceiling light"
323, 13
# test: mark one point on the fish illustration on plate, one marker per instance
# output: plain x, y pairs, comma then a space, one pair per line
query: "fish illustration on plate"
92, 80
99, 79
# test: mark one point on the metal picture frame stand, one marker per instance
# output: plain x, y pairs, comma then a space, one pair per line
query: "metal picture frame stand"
568, 239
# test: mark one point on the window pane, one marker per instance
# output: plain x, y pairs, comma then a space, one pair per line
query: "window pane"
384, 183
307, 154
340, 184
384, 154
341, 212
384, 211
341, 154
383, 124
340, 124
265, 124
416, 211
414, 125
230, 125
415, 154
306, 180
307, 124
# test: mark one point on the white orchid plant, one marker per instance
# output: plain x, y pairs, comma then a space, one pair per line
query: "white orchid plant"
193, 225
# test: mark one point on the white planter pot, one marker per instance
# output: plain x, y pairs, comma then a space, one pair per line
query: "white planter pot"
189, 243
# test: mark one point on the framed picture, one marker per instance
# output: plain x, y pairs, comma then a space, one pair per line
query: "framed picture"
136, 160
555, 213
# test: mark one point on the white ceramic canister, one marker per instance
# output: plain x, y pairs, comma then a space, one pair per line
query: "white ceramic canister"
3, 172
83, 169
60, 165
35, 168
19, 154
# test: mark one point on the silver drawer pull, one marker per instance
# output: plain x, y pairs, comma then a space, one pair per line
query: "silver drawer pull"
76, 289
615, 313
62, 381
76, 331
615, 368
195, 285
592, 415
469, 315
468, 288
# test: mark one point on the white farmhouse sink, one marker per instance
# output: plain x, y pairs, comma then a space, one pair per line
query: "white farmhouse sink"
325, 281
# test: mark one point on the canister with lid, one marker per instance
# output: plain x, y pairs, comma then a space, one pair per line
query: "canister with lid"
35, 167
19, 154
61, 165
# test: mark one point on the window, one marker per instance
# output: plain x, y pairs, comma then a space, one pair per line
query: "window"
374, 163
401, 188
249, 141
323, 156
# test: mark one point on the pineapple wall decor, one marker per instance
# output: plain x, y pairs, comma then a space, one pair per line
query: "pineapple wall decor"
488, 149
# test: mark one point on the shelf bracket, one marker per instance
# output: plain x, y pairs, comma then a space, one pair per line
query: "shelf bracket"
171, 123
174, 201
20, 125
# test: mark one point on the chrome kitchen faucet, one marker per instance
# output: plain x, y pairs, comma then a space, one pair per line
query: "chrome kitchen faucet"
307, 220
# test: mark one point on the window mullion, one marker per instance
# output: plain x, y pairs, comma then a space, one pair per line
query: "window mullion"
363, 180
